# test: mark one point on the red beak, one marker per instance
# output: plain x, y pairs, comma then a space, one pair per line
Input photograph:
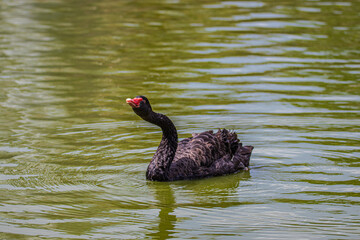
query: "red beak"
135, 102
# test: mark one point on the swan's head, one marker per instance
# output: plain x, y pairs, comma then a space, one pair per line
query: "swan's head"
140, 105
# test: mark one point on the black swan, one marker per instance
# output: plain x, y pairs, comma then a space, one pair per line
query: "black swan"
202, 155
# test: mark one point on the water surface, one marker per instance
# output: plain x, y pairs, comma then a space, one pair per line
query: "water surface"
73, 155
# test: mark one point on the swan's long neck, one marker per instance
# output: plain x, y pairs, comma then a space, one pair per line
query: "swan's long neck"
159, 166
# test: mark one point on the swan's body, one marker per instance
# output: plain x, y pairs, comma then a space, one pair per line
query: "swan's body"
202, 155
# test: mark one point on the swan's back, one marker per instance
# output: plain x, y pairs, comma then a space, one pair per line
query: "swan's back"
206, 147
210, 154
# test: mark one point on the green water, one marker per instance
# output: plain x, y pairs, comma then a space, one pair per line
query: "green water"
73, 155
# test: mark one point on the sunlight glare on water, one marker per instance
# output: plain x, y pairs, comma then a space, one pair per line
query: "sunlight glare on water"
73, 155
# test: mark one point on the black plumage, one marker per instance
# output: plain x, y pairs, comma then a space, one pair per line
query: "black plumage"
203, 155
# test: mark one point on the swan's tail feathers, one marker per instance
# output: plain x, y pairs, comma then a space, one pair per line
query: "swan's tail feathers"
230, 139
242, 156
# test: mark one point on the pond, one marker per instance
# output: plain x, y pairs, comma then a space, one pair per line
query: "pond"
283, 74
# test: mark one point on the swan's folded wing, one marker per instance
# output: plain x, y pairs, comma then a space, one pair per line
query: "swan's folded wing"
205, 148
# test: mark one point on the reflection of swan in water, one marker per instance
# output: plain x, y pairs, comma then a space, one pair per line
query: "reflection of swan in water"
222, 189
166, 202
